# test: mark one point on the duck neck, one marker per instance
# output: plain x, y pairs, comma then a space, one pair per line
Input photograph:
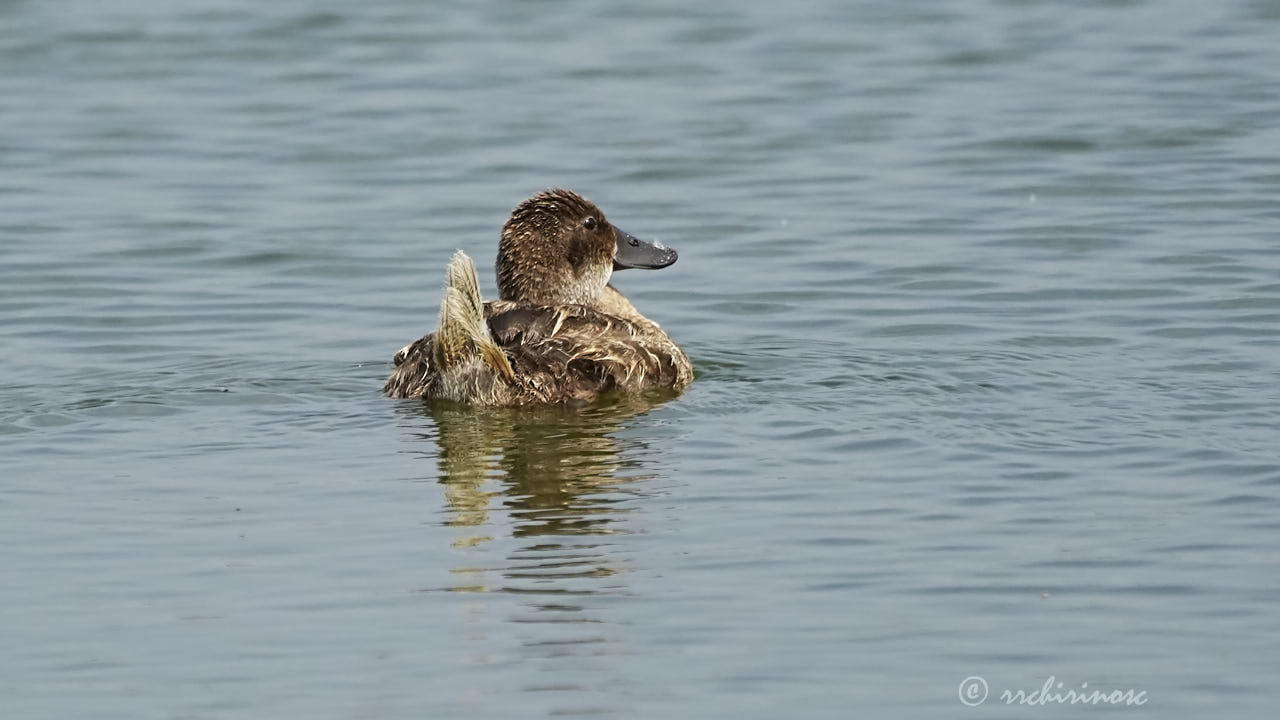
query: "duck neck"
611, 301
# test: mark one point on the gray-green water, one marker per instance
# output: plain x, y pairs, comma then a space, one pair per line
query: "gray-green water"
984, 297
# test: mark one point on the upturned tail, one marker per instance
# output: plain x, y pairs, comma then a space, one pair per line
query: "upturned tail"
463, 333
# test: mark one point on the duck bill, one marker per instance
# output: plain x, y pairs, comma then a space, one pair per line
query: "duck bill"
632, 252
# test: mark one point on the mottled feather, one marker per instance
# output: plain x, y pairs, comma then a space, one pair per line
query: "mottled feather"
560, 333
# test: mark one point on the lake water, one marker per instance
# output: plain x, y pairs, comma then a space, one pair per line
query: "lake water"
984, 299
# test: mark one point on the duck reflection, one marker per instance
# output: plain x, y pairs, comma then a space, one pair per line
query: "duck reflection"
538, 498
547, 475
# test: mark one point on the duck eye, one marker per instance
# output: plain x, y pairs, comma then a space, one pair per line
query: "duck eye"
589, 223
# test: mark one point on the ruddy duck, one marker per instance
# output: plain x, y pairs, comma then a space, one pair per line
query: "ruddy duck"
559, 331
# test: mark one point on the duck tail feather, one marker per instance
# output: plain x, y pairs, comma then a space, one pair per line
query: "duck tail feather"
463, 333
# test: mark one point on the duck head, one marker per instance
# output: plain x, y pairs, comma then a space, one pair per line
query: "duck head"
558, 248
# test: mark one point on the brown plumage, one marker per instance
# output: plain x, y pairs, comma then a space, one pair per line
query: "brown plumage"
559, 332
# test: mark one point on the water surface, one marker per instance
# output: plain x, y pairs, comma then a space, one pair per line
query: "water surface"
983, 297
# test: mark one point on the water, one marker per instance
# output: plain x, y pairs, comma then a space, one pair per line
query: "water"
984, 299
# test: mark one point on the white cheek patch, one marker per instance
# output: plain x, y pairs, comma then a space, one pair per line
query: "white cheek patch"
589, 285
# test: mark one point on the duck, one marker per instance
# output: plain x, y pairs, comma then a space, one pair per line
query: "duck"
559, 332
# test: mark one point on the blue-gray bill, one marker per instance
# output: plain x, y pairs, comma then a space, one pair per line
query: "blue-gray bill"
633, 252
